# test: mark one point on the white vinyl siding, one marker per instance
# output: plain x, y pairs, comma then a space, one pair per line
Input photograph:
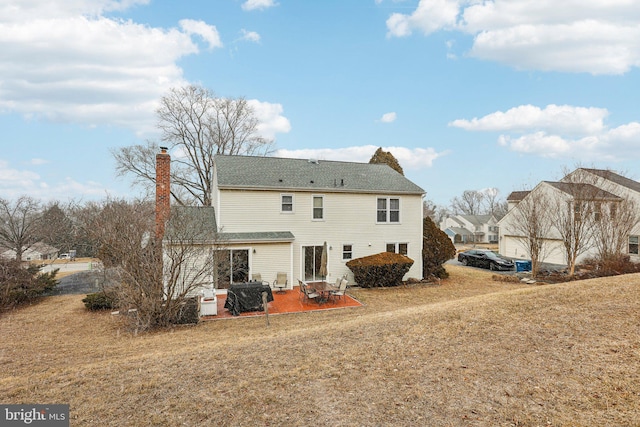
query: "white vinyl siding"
345, 220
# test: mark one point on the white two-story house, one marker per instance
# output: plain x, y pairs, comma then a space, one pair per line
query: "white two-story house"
275, 214
471, 228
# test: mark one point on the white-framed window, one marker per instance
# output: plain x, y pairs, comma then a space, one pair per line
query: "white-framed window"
318, 207
388, 209
597, 211
347, 251
577, 211
633, 245
286, 203
398, 248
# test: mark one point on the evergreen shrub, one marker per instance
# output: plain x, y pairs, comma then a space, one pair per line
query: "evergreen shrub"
380, 270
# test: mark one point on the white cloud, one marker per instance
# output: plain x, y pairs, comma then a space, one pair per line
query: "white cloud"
250, 36
593, 36
208, 32
430, 16
22, 10
36, 161
553, 118
270, 118
258, 4
560, 132
15, 183
409, 158
388, 117
64, 61
11, 178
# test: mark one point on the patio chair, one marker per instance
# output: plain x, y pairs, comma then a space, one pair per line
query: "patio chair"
281, 282
257, 277
342, 289
306, 292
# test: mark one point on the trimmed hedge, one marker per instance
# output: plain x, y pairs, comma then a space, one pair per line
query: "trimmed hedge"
98, 301
380, 270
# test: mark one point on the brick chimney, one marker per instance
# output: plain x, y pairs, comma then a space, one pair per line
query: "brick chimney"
163, 191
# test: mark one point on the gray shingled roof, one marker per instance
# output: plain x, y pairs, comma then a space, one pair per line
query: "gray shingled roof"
614, 177
256, 237
517, 196
460, 230
583, 190
477, 219
276, 173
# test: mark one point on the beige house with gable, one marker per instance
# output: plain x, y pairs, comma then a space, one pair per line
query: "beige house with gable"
275, 214
607, 191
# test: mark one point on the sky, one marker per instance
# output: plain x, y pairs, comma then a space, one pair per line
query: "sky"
466, 94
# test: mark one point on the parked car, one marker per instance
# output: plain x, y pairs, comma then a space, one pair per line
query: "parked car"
486, 259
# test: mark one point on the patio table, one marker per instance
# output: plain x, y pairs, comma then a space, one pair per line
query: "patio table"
322, 287
243, 297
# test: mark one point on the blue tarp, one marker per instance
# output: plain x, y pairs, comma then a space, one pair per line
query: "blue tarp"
523, 265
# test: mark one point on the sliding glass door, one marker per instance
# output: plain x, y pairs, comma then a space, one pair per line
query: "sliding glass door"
232, 266
312, 256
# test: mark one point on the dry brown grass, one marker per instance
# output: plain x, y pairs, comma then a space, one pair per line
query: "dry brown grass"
470, 352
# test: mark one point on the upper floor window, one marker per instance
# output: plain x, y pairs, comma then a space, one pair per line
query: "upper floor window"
597, 211
577, 211
318, 207
286, 203
388, 209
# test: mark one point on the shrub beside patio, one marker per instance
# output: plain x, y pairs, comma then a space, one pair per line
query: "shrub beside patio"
380, 270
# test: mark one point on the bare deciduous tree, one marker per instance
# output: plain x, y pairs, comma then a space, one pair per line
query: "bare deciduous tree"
575, 218
500, 209
531, 224
613, 220
154, 279
490, 200
196, 125
492, 204
20, 222
611, 230
429, 209
470, 203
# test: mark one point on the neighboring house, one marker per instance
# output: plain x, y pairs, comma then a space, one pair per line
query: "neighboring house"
471, 228
37, 251
514, 198
273, 215
606, 190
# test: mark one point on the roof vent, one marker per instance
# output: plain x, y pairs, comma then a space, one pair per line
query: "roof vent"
314, 161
